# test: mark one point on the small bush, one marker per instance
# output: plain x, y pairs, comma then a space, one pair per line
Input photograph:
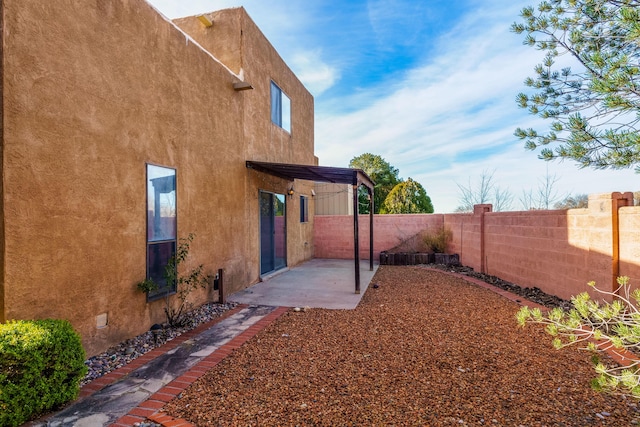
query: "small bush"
185, 283
438, 240
41, 366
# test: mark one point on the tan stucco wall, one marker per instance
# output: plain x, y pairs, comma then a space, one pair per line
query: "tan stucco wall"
236, 40
92, 92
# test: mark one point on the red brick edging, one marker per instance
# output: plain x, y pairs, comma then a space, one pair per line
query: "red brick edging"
113, 376
152, 407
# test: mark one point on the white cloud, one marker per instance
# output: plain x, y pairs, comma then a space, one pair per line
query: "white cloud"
445, 106
398, 22
446, 120
453, 118
313, 72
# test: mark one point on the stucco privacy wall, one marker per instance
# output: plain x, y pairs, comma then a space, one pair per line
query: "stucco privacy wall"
557, 251
92, 92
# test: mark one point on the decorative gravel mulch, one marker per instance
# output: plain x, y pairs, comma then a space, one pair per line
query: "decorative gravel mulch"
423, 348
532, 294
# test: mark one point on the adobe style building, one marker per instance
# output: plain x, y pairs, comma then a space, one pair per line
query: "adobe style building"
121, 133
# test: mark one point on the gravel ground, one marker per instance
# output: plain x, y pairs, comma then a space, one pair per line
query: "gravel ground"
123, 353
532, 294
423, 348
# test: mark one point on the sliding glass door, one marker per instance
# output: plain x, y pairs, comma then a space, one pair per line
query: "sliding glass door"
273, 241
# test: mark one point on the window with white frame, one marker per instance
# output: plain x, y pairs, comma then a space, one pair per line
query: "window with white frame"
280, 108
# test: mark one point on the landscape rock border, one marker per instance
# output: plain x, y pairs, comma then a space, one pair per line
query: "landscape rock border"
532, 294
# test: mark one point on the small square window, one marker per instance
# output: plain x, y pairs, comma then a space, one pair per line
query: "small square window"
304, 209
280, 108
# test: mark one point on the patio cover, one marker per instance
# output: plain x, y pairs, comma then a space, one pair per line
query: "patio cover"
355, 177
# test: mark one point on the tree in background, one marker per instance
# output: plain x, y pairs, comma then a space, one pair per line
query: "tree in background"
594, 109
382, 173
484, 191
573, 202
406, 198
545, 195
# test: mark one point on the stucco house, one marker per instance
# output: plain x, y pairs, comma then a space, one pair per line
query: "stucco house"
122, 132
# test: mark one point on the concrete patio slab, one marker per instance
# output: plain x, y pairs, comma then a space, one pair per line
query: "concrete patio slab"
318, 283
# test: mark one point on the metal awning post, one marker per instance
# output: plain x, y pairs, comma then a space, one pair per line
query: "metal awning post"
356, 240
370, 190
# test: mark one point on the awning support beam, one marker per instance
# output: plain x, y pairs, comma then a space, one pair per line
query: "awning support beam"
356, 239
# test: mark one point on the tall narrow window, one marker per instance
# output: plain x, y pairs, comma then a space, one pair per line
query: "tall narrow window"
280, 108
304, 209
161, 226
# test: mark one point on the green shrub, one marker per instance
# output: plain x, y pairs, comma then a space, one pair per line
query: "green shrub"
438, 240
41, 366
185, 283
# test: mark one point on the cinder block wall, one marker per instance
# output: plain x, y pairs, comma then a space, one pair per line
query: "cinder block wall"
534, 249
558, 251
334, 234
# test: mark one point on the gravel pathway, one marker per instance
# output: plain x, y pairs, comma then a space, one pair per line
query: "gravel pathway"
423, 348
123, 353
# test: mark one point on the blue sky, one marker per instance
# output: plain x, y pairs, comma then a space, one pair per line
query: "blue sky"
428, 85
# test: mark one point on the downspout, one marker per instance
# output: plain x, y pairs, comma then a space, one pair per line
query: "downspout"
222, 299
